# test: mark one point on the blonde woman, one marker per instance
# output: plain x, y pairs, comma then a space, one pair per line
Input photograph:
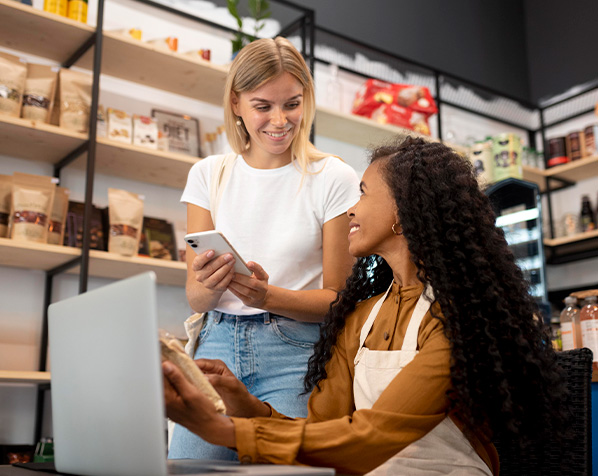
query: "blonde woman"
284, 210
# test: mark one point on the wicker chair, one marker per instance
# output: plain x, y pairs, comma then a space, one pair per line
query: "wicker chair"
574, 456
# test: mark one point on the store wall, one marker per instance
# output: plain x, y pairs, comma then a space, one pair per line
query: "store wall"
561, 38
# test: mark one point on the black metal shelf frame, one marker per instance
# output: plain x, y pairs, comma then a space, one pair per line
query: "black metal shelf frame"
305, 23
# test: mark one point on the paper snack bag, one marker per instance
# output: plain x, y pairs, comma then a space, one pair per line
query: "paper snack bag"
58, 218
5, 199
125, 215
32, 200
74, 99
12, 83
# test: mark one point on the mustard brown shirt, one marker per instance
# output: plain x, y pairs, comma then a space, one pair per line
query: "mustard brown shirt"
334, 433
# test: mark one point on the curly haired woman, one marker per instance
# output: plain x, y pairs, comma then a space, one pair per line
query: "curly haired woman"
432, 349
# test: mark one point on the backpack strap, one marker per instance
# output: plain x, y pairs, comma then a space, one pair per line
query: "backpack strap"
220, 177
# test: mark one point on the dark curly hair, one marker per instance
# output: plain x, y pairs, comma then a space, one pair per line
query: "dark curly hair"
505, 379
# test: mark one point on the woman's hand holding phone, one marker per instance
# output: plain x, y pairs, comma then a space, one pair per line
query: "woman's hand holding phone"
214, 272
253, 291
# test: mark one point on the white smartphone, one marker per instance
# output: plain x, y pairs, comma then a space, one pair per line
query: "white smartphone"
203, 241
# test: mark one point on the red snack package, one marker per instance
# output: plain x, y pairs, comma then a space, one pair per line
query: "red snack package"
417, 98
370, 95
402, 117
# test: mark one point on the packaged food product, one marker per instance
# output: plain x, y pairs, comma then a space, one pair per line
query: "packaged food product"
134, 33
32, 200
59, 7
77, 10
506, 150
166, 44
576, 145
5, 199
375, 92
163, 141
203, 54
125, 211
145, 132
481, 158
590, 135
73, 235
589, 327
402, 117
74, 99
157, 239
58, 217
119, 126
13, 73
557, 152
38, 96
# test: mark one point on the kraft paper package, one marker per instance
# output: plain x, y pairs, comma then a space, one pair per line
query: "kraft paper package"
12, 84
74, 100
40, 89
5, 199
58, 218
125, 215
32, 200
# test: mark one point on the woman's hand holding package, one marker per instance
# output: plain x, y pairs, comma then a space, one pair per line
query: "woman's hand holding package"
239, 402
253, 290
188, 406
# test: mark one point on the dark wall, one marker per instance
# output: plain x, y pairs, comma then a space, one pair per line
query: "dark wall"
479, 40
562, 38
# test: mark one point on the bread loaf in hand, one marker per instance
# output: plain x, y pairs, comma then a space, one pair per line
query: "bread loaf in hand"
173, 351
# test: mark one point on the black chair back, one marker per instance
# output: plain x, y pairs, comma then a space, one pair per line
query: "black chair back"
573, 457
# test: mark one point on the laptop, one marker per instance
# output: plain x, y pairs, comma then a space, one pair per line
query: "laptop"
107, 395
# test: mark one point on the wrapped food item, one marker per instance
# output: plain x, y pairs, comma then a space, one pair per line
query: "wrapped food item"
38, 96
125, 211
58, 218
5, 199
203, 54
134, 33
74, 99
120, 128
73, 235
32, 200
77, 10
145, 132
12, 84
399, 104
59, 7
173, 351
157, 239
166, 44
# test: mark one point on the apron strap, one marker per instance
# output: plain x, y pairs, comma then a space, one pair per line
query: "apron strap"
421, 308
365, 330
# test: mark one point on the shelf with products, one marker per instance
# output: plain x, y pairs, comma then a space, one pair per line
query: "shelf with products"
44, 257
40, 33
565, 240
20, 376
41, 142
575, 171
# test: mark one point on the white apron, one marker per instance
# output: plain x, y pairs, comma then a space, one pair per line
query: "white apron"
442, 451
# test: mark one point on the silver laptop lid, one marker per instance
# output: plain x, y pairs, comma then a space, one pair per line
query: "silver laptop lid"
107, 400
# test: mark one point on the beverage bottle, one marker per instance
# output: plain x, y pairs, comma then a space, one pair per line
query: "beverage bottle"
587, 217
334, 90
589, 327
570, 325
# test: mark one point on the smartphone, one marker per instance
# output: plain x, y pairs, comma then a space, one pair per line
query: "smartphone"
203, 241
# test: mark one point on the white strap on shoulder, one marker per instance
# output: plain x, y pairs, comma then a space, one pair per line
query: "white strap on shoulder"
220, 176
421, 308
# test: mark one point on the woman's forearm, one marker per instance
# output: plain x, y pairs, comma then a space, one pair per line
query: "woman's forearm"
308, 306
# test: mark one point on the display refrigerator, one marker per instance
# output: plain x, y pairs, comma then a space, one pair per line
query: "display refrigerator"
518, 208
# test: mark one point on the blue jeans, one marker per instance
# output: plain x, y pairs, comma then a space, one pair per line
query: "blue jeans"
268, 353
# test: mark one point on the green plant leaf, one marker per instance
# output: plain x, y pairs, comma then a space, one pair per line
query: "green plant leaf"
232, 8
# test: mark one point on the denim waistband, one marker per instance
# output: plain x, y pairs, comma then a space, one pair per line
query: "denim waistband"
263, 316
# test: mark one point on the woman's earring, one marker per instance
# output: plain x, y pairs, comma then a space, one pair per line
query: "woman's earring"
239, 122
398, 233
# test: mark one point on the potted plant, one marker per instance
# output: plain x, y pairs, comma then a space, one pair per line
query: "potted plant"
259, 10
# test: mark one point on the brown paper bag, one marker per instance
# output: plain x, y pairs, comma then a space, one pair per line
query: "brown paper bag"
32, 200
125, 212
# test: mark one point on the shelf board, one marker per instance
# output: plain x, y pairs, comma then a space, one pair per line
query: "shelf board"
113, 266
537, 176
142, 164
30, 255
133, 60
565, 240
18, 376
575, 171
35, 140
363, 132
40, 33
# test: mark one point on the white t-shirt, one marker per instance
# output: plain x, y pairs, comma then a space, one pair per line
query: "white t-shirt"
270, 217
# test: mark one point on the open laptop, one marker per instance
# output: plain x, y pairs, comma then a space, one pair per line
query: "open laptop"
107, 394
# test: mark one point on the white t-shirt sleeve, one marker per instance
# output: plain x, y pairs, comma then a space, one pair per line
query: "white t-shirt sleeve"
197, 189
341, 190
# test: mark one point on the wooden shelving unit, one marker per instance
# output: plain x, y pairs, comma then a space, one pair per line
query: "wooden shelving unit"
19, 376
43, 257
34, 31
565, 240
36, 140
126, 58
575, 171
